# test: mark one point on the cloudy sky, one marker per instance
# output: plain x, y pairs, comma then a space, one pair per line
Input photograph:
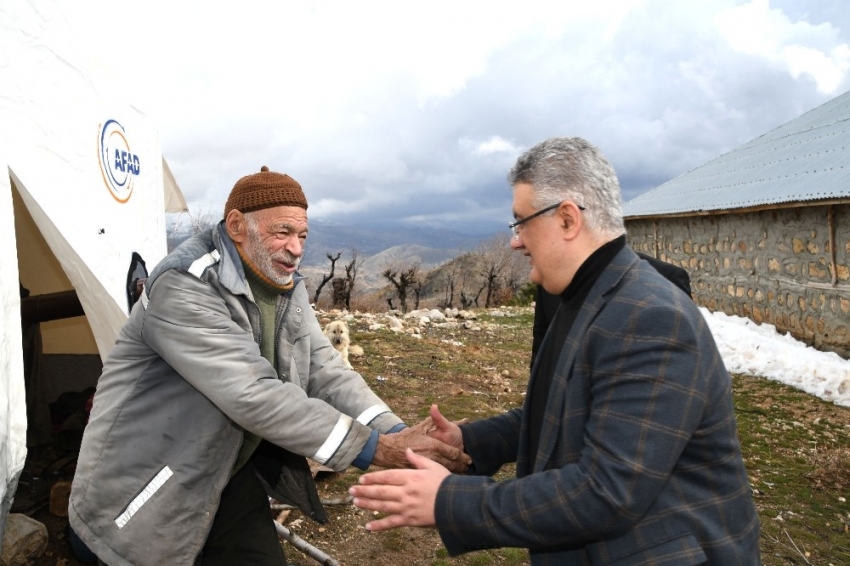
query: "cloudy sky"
414, 112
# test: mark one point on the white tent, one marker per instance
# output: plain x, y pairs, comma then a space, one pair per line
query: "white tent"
83, 194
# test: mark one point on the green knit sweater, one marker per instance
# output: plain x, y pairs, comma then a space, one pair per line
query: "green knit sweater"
266, 294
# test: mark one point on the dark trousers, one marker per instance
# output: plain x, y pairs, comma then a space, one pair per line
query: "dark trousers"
242, 531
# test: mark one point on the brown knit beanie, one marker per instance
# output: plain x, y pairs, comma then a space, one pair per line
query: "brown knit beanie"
265, 189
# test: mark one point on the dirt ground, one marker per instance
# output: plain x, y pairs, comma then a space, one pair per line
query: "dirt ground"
796, 448
344, 537
409, 374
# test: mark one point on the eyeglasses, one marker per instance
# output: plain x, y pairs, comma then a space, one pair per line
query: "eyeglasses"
514, 226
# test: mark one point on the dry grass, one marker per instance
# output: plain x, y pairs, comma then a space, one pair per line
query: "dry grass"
796, 447
797, 451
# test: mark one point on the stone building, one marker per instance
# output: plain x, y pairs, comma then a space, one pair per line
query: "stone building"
764, 230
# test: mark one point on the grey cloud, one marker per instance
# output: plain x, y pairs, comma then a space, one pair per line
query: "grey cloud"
661, 96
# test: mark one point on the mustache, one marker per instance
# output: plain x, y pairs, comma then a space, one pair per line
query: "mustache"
286, 257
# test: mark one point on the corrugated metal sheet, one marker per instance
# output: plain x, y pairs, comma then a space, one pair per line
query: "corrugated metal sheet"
807, 159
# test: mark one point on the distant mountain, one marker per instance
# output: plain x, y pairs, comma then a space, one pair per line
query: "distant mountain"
370, 272
331, 237
459, 276
401, 257
423, 256
379, 247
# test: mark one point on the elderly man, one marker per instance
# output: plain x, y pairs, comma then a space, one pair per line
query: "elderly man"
220, 384
625, 447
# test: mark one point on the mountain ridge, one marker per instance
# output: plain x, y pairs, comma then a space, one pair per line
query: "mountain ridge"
368, 241
378, 247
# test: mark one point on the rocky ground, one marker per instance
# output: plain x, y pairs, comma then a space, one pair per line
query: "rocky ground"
474, 364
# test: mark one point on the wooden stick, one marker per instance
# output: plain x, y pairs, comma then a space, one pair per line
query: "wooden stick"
344, 501
304, 546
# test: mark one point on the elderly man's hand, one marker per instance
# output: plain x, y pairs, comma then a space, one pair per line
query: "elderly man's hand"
390, 452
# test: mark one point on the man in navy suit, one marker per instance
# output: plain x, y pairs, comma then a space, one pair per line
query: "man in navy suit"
626, 446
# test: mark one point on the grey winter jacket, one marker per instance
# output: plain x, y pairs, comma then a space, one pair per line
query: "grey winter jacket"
183, 382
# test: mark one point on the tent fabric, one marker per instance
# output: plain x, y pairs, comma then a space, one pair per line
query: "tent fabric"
89, 172
174, 201
13, 418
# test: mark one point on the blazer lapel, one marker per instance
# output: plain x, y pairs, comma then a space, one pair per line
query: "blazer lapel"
523, 457
593, 303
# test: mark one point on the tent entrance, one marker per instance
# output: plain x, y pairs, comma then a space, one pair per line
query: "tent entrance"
61, 360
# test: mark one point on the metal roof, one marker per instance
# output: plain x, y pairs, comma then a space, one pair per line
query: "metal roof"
804, 160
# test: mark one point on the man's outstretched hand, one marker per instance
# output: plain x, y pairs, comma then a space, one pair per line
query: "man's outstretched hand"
407, 496
443, 429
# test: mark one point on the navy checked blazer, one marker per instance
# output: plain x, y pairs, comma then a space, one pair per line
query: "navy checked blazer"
638, 460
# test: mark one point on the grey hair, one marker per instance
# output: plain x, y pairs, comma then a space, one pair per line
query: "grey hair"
573, 169
252, 220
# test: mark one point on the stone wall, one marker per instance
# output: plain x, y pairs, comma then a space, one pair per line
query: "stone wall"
789, 267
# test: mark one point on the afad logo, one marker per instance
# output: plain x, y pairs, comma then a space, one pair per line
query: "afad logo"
118, 165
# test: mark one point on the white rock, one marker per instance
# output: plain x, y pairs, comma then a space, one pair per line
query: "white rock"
436, 316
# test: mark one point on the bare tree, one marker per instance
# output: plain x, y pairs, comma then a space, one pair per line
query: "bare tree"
491, 282
351, 276
338, 297
516, 272
403, 280
462, 277
477, 294
454, 279
449, 292
327, 277
467, 301
344, 286
496, 256
417, 291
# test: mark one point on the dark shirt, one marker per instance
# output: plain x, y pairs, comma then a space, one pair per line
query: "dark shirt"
570, 300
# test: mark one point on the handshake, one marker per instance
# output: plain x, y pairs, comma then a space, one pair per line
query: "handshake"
435, 437
434, 449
